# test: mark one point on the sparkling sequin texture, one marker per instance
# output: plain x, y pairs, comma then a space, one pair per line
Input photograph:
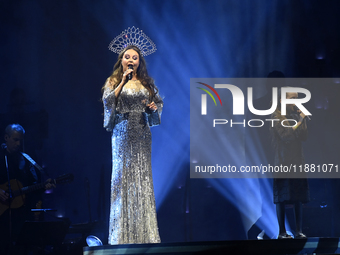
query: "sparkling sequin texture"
133, 211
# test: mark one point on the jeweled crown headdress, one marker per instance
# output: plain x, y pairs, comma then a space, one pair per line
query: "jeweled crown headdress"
133, 36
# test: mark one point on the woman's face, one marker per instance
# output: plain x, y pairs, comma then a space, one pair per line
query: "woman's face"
130, 57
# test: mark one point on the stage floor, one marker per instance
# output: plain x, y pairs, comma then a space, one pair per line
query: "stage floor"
314, 245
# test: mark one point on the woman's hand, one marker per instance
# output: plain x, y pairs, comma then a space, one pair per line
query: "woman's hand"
125, 75
152, 106
300, 121
301, 116
122, 83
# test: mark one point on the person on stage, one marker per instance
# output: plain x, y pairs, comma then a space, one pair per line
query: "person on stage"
18, 171
131, 105
287, 143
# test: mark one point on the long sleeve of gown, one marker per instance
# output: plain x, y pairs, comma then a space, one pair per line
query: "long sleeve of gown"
109, 102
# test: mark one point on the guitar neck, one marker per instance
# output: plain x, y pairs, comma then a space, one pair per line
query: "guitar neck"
28, 189
17, 191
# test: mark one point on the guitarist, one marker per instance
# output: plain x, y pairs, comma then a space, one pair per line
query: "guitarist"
14, 166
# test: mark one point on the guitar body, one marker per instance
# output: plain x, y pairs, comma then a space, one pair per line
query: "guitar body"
17, 201
18, 192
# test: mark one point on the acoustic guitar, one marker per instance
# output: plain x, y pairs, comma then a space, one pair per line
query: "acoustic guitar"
18, 191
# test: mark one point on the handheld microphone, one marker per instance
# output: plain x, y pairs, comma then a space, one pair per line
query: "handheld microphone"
130, 74
296, 109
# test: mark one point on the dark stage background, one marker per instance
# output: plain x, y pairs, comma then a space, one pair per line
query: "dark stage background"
55, 58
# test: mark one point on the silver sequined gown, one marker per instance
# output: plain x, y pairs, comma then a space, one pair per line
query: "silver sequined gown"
133, 211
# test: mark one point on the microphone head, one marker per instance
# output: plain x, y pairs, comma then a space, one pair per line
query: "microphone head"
130, 66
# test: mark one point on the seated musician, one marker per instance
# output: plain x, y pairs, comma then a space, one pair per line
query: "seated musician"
16, 171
